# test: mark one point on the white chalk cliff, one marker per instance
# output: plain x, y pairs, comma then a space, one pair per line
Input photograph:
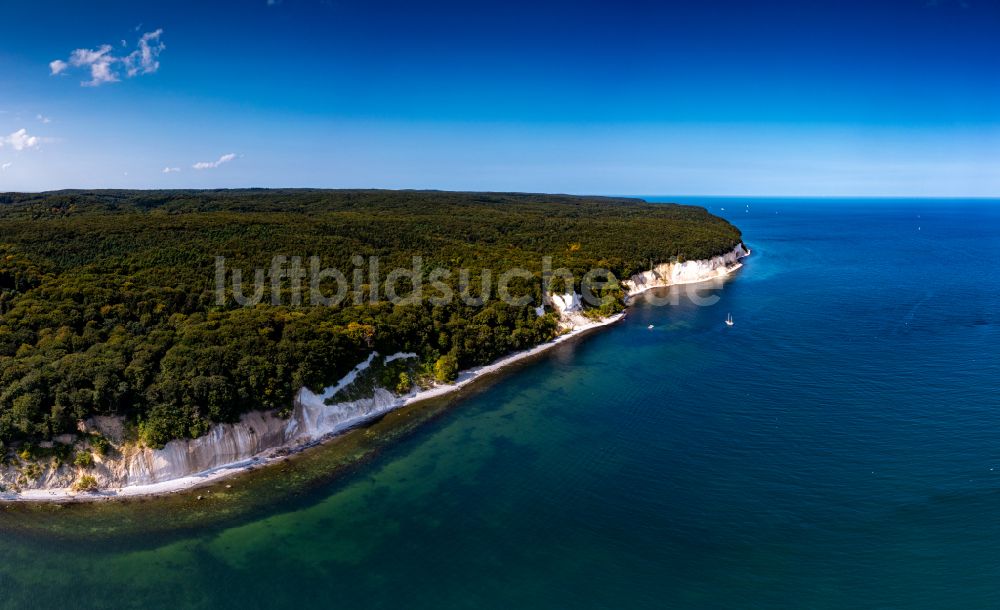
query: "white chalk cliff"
257, 435
569, 308
687, 272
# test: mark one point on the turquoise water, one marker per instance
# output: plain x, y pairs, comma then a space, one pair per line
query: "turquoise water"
838, 447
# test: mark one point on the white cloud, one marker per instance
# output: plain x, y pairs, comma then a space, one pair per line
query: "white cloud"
170, 170
106, 67
43, 119
20, 140
213, 164
4, 167
145, 59
98, 61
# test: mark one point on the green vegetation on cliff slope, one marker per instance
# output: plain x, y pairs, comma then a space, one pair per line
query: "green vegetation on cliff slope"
108, 306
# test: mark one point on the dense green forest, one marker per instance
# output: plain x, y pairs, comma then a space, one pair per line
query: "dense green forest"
108, 306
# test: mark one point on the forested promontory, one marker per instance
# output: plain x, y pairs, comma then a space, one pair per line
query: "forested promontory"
108, 298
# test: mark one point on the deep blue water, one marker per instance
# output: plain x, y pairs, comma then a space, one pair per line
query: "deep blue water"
838, 447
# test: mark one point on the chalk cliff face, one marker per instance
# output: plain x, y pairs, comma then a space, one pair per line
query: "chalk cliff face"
569, 308
688, 272
259, 435
224, 444
253, 435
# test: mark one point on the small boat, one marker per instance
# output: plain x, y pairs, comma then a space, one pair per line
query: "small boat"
729, 320
650, 327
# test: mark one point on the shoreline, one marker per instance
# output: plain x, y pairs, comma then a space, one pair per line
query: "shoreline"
279, 454
194, 481
726, 272
729, 270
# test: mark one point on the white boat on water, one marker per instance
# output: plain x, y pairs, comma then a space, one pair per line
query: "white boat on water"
729, 320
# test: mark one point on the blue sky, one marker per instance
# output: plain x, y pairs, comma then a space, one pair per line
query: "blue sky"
699, 97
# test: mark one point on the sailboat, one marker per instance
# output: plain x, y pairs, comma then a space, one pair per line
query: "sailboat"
729, 320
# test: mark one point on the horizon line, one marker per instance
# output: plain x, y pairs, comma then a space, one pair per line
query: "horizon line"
513, 192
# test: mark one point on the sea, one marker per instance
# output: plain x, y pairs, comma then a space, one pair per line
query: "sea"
837, 447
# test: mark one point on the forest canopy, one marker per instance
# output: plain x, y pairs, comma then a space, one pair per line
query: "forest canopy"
108, 308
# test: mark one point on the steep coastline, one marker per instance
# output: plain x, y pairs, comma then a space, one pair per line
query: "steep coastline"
259, 437
687, 272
